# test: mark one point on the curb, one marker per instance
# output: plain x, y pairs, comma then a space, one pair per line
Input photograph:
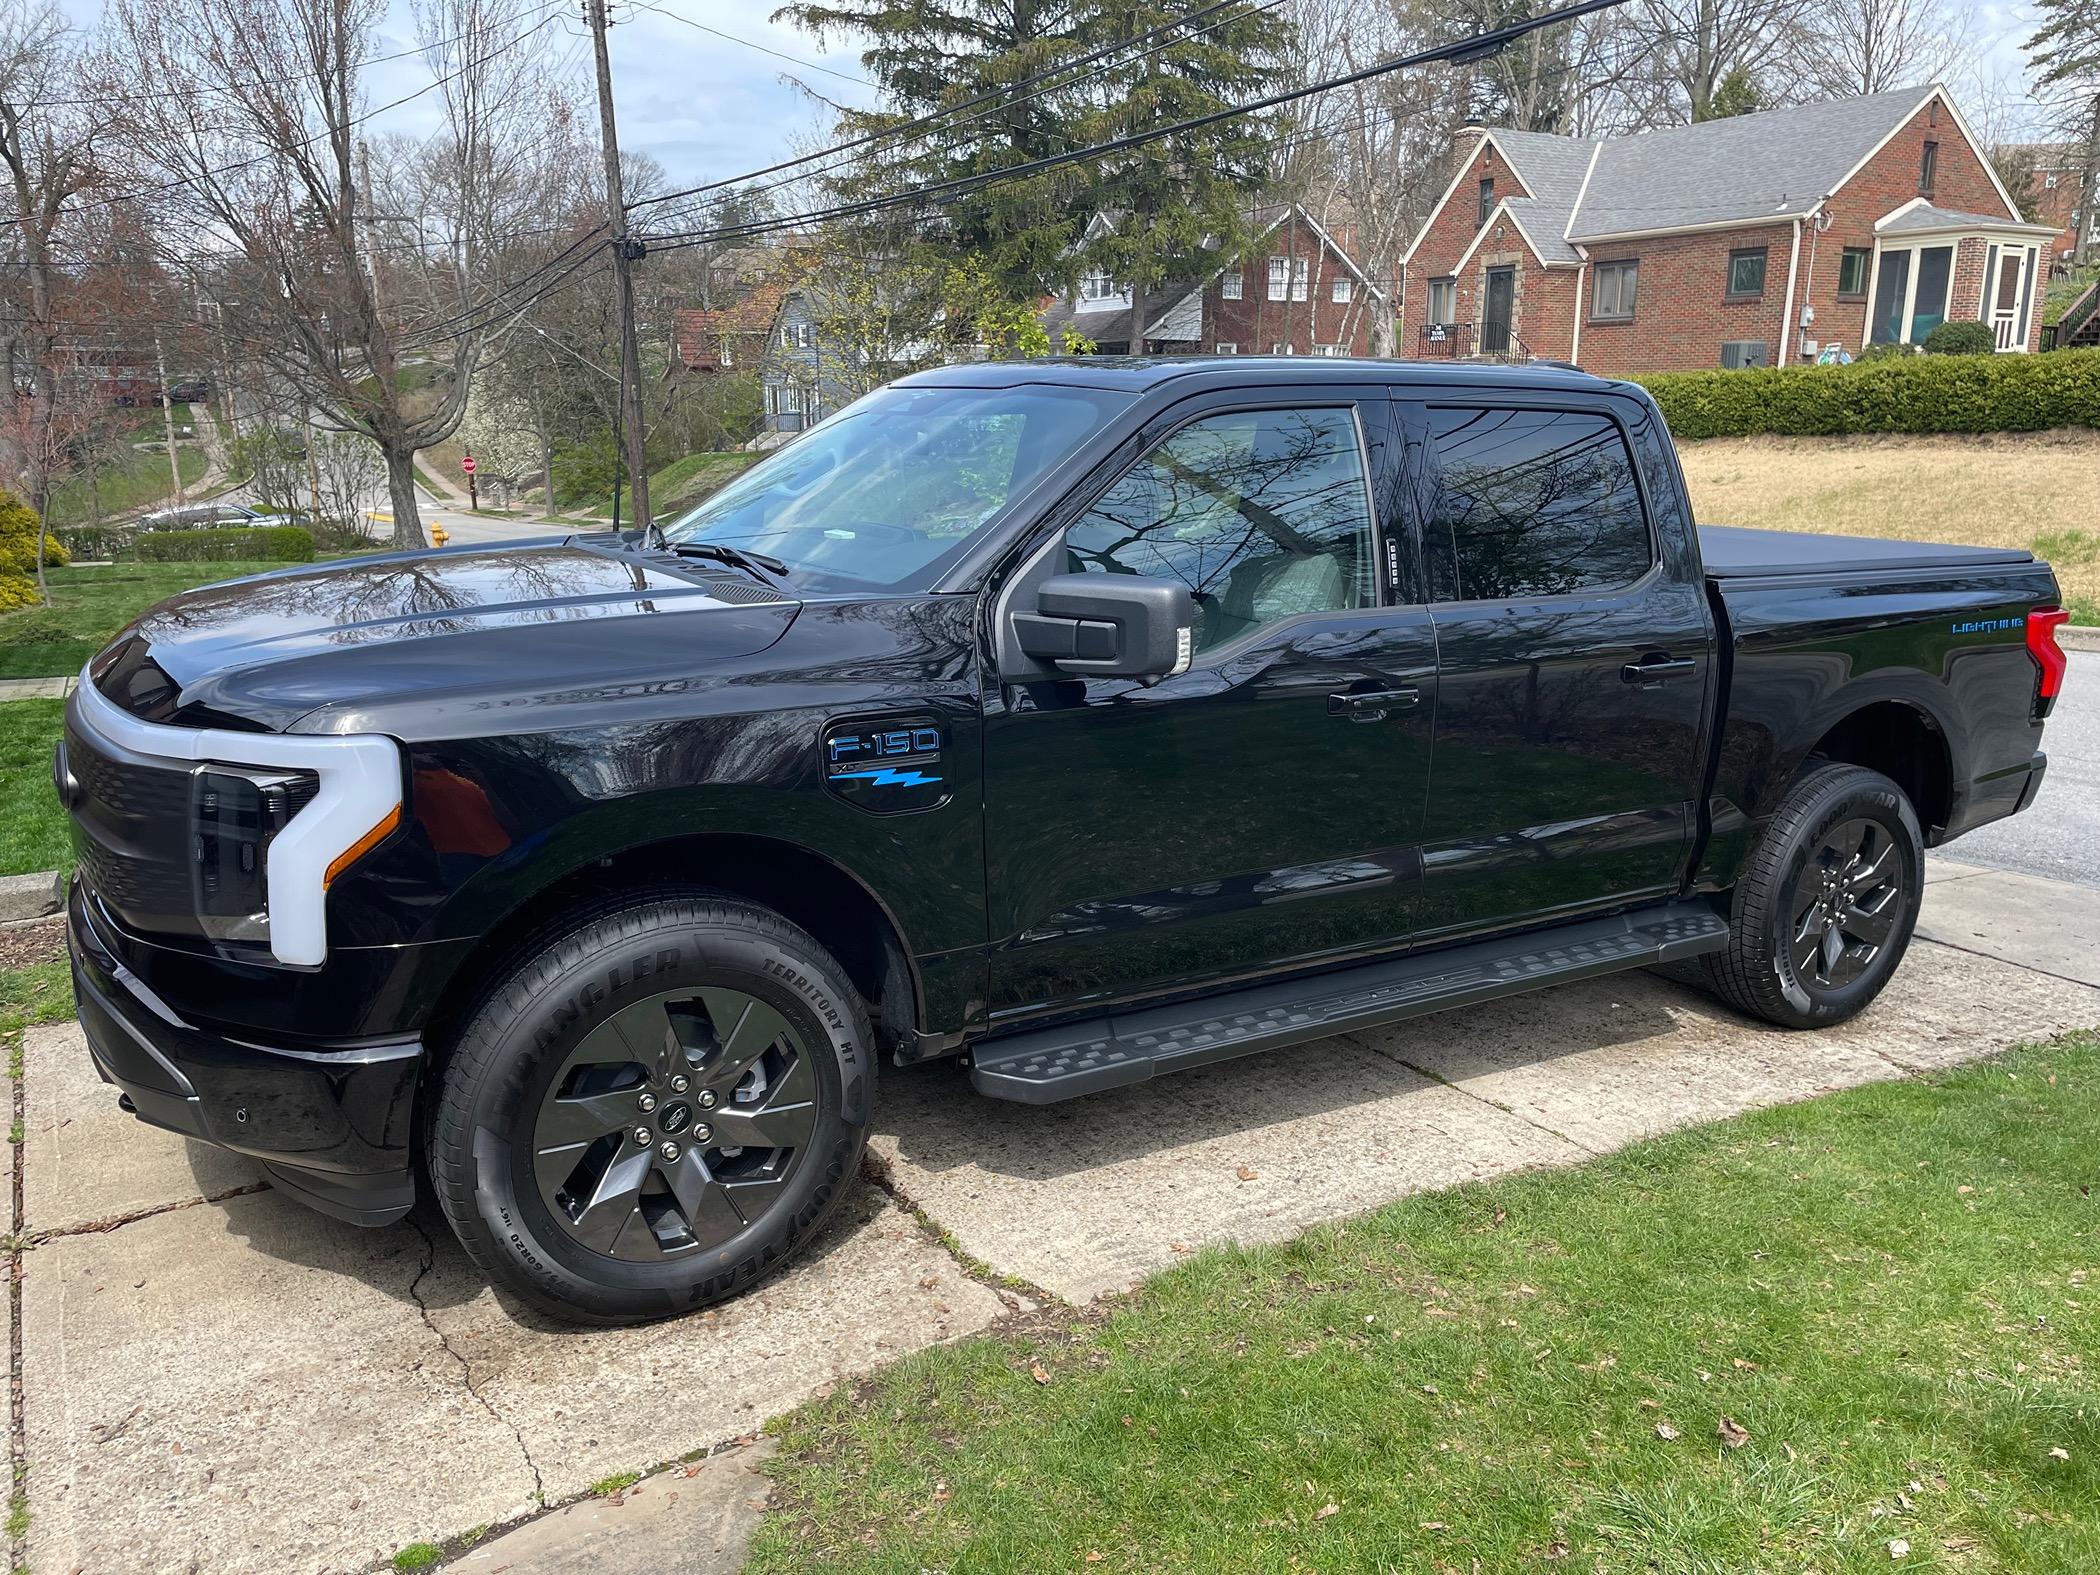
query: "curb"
2078, 637
31, 896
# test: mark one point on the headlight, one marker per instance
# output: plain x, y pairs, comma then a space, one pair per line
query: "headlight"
234, 817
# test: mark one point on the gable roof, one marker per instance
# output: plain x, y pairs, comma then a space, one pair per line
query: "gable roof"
698, 333
1768, 167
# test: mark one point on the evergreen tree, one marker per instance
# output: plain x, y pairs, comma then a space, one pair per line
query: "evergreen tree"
930, 55
2065, 56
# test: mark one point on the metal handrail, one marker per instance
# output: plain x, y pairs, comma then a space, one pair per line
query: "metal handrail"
2078, 314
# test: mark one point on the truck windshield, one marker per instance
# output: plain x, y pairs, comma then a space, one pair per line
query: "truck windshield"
882, 494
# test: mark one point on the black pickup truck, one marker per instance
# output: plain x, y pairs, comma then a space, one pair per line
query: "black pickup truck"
1086, 721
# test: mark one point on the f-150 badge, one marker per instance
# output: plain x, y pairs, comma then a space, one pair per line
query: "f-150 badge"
886, 765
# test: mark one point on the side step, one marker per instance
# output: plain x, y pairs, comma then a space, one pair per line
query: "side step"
1043, 1065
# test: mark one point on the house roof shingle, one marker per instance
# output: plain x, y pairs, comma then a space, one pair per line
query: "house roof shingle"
698, 332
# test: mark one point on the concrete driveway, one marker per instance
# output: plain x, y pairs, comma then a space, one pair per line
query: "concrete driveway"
213, 1378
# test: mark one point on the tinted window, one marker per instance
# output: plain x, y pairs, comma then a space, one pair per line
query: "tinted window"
1261, 513
1532, 503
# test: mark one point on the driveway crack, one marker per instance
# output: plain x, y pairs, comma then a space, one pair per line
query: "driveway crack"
466, 1368
1492, 1104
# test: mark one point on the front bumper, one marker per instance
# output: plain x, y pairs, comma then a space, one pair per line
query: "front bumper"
332, 1127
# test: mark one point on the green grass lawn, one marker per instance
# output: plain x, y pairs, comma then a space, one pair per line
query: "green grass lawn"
133, 478
1856, 1334
89, 606
679, 485
32, 826
40, 992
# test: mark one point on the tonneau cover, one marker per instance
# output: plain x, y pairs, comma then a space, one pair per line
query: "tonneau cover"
1734, 552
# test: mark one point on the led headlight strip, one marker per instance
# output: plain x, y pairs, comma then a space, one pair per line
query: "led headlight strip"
358, 803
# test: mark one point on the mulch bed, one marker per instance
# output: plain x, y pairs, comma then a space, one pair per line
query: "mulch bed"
37, 941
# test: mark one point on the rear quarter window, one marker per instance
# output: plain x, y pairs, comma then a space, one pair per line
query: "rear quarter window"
1532, 503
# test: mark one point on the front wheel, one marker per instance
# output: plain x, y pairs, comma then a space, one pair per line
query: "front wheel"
1826, 903
655, 1111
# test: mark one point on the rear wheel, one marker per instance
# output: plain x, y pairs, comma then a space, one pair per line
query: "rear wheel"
1827, 902
654, 1111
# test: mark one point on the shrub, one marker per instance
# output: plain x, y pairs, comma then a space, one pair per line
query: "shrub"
19, 529
1914, 394
249, 543
1961, 339
97, 541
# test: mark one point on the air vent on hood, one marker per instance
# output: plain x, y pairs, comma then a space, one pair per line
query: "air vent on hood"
744, 593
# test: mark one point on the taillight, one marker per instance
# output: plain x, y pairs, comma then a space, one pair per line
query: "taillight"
2042, 625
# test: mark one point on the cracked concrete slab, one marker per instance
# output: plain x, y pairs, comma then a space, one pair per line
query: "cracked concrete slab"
1091, 1195
706, 1512
2050, 925
86, 1159
1621, 1058
248, 1386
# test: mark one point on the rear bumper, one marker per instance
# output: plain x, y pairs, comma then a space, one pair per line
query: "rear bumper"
332, 1127
1996, 796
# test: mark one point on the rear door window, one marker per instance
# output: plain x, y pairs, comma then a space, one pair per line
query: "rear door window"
1532, 503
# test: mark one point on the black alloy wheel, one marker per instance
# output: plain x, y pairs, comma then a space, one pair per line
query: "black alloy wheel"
674, 1123
1846, 902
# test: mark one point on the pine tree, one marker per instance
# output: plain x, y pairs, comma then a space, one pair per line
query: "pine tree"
927, 56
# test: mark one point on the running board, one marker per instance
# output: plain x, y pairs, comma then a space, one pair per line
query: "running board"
1043, 1065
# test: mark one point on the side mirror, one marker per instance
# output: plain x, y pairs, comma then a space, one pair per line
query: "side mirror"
1109, 625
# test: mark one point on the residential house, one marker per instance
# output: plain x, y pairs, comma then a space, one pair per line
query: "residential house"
1758, 240
2056, 193
806, 374
1296, 290
729, 338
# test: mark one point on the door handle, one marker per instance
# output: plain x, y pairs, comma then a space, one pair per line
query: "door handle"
1373, 705
1654, 669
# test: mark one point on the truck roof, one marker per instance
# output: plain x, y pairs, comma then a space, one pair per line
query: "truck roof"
1141, 374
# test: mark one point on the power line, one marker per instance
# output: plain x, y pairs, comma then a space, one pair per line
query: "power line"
748, 43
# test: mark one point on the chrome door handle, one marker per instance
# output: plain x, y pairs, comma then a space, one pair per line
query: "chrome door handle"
1654, 669
1371, 706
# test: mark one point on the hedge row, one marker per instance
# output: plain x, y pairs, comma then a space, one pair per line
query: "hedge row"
245, 543
1917, 394
96, 543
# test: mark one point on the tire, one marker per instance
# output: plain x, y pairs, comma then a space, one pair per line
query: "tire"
1809, 947
654, 1111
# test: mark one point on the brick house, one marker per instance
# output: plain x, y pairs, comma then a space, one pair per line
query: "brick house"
1296, 290
2056, 190
1757, 240
727, 338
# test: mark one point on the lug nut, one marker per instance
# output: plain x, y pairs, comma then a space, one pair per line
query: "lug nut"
669, 1150
680, 1083
647, 1102
707, 1099
702, 1132
642, 1135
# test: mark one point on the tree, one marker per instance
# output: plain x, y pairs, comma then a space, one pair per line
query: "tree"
372, 279
24, 546
1699, 44
1843, 48
1736, 93
2064, 53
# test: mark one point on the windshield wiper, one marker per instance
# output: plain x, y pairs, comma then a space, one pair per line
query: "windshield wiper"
764, 565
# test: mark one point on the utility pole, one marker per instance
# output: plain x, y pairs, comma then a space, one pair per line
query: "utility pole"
167, 417
626, 252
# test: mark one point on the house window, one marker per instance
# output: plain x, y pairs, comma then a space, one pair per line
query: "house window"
1487, 197
1443, 300
2049, 183
1928, 166
1098, 286
1746, 274
1617, 284
1226, 347
1852, 270
1299, 270
1341, 292
1229, 284
1279, 278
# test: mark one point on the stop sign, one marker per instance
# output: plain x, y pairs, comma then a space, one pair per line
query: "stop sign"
467, 464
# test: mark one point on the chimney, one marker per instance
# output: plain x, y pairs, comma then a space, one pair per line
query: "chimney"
1464, 138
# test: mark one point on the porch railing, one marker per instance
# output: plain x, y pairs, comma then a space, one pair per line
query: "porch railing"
1463, 342
2078, 316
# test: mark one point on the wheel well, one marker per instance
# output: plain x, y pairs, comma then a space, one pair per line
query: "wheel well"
1903, 744
840, 913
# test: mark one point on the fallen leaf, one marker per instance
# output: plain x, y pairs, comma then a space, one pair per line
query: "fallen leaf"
1964, 1191
1743, 1366
1733, 1433
1325, 1510
1665, 1432
2059, 1453
1093, 1558
1898, 1548
1249, 1173
1651, 1405
1038, 1374
1432, 1525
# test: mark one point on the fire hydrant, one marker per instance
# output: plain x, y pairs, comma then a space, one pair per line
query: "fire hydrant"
439, 535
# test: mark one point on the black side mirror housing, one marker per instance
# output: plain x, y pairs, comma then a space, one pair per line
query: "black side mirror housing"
1109, 625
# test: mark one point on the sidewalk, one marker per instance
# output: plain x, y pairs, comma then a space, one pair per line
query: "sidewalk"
212, 1375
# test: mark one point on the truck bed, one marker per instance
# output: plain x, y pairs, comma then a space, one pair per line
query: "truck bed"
1735, 552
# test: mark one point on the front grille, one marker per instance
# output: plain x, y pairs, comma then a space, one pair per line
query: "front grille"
131, 834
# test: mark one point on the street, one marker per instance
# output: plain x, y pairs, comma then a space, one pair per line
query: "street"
2059, 835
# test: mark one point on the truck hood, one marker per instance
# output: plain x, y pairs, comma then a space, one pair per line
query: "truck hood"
336, 648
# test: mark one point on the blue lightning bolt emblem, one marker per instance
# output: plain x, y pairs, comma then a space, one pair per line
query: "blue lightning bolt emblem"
886, 776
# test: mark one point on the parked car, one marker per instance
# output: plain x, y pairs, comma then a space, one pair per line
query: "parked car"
1086, 722
190, 391
202, 516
